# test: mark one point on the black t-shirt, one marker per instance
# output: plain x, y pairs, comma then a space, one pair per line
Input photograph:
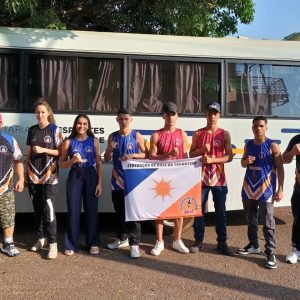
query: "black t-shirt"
43, 168
295, 140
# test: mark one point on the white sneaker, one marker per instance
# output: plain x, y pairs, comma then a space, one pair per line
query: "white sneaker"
10, 249
40, 243
117, 244
249, 249
293, 256
158, 248
179, 246
52, 251
135, 251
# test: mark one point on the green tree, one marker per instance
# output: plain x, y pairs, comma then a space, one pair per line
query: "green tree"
215, 18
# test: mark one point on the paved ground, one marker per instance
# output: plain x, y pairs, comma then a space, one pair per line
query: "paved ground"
113, 275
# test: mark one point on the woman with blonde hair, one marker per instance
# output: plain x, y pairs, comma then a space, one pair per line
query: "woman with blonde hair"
43, 141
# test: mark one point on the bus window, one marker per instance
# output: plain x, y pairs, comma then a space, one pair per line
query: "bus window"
75, 84
9, 81
261, 89
151, 84
286, 91
248, 91
99, 84
190, 85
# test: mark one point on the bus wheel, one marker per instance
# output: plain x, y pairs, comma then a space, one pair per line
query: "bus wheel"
187, 224
169, 225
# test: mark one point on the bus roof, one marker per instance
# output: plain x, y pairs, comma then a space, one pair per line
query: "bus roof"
146, 44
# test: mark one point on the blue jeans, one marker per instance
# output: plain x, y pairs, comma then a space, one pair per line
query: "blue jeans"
219, 197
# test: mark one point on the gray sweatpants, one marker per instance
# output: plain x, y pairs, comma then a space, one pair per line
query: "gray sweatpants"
255, 209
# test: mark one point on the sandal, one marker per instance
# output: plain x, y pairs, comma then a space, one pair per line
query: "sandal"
69, 252
94, 250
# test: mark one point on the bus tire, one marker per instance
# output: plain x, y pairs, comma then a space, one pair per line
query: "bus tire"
169, 225
187, 224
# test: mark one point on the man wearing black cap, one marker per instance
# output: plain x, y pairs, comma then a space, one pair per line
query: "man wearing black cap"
168, 143
213, 144
10, 157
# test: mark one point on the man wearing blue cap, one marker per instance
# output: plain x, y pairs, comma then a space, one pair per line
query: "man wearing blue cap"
213, 144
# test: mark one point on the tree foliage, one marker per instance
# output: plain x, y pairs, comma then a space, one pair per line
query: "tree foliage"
176, 17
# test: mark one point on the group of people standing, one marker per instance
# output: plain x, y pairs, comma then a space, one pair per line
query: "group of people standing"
263, 182
46, 151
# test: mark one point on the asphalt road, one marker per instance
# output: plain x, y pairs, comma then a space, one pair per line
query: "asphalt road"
113, 275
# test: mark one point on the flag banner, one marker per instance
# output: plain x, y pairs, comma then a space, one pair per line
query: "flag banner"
162, 189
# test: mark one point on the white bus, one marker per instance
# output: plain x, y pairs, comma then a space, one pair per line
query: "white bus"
97, 73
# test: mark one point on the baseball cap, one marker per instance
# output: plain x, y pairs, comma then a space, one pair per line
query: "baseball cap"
169, 107
1, 118
213, 105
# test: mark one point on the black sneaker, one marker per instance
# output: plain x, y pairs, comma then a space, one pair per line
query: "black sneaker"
197, 246
10, 249
271, 261
223, 248
249, 249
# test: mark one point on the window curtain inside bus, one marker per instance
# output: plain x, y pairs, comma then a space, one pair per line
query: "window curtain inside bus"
146, 86
188, 87
250, 89
58, 79
8, 81
257, 91
75, 83
105, 87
